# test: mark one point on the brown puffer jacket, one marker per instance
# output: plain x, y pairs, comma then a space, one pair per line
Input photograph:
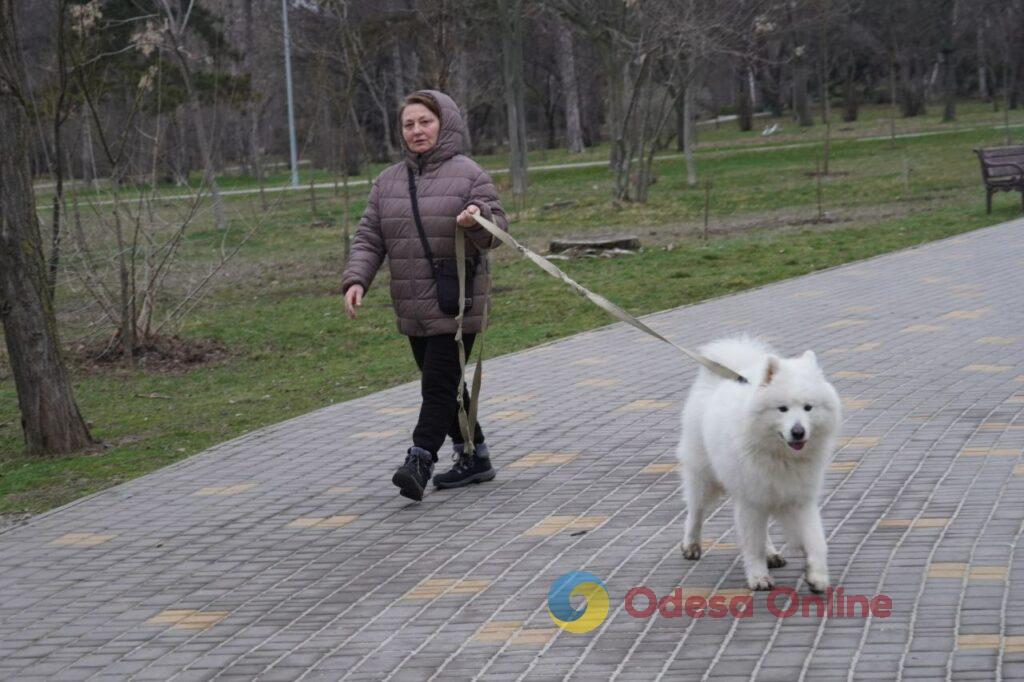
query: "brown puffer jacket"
446, 183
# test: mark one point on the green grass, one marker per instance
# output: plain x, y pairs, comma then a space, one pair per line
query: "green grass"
292, 350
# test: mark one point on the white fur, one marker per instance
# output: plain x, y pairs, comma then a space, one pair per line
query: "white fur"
735, 439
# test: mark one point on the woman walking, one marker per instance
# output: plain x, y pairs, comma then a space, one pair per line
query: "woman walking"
411, 218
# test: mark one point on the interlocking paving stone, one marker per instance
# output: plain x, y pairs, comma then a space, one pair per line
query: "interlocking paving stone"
287, 554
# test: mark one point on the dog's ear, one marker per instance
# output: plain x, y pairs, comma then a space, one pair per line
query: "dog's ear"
810, 357
770, 370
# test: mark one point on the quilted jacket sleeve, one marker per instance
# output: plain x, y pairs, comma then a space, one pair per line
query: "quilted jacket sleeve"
367, 251
485, 196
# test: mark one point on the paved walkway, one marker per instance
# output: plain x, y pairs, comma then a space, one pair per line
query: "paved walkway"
286, 554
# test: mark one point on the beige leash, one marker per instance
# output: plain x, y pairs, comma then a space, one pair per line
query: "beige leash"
467, 423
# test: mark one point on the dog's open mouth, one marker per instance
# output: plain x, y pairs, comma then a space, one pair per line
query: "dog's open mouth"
795, 444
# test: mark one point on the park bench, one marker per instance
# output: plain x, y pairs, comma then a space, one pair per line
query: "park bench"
1002, 170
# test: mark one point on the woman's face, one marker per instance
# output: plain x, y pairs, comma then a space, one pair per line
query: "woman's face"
419, 128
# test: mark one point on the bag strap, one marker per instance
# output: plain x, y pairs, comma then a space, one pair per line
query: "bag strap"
416, 216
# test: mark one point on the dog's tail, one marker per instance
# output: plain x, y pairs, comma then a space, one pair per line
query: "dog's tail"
744, 354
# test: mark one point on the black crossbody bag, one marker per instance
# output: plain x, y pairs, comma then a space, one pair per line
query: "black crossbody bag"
445, 270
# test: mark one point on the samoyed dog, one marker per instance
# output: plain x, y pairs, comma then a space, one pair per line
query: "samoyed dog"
765, 443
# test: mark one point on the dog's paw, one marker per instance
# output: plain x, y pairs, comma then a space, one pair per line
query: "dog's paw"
762, 582
776, 561
692, 551
817, 582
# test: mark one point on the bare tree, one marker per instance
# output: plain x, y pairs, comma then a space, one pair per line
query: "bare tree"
50, 420
511, 12
570, 87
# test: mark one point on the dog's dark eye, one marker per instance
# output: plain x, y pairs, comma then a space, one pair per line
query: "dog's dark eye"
807, 407
783, 408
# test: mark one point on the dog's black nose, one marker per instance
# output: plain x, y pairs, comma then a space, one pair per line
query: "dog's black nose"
798, 432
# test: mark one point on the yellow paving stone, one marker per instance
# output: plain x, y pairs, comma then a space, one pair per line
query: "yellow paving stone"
556, 524
591, 362
660, 467
710, 543
1019, 378
533, 637
947, 570
646, 405
1013, 644
842, 466
985, 451
188, 619
861, 308
695, 591
536, 459
807, 295
934, 280
321, 522
858, 441
966, 314
997, 340
429, 589
436, 587
856, 403
731, 593
1001, 426
1018, 470
374, 434
843, 324
988, 573
978, 641
467, 586
1015, 399
601, 383
923, 328
510, 415
925, 522
225, 489
987, 369
866, 346
851, 374
343, 489
506, 399
82, 540
337, 521
496, 631
398, 410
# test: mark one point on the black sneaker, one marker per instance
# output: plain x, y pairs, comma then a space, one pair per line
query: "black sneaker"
468, 469
411, 478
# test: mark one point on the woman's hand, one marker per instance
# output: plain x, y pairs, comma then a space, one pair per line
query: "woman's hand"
353, 299
465, 218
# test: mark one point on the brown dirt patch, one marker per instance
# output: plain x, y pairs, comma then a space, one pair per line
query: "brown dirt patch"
162, 354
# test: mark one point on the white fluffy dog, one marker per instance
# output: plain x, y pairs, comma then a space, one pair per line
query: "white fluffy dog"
766, 444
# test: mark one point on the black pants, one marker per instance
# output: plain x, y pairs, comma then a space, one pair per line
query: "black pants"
438, 360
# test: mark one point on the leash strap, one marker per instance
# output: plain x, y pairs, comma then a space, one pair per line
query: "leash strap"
602, 302
467, 422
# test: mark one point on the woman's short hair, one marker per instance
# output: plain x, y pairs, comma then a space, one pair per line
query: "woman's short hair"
421, 98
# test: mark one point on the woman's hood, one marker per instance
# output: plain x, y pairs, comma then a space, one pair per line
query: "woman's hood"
451, 139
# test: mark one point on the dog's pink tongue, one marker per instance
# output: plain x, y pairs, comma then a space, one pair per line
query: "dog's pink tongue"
798, 446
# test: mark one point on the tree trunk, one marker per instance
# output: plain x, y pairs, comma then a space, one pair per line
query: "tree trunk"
50, 420
512, 69
801, 102
251, 110
949, 85
744, 107
688, 137
570, 87
851, 107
